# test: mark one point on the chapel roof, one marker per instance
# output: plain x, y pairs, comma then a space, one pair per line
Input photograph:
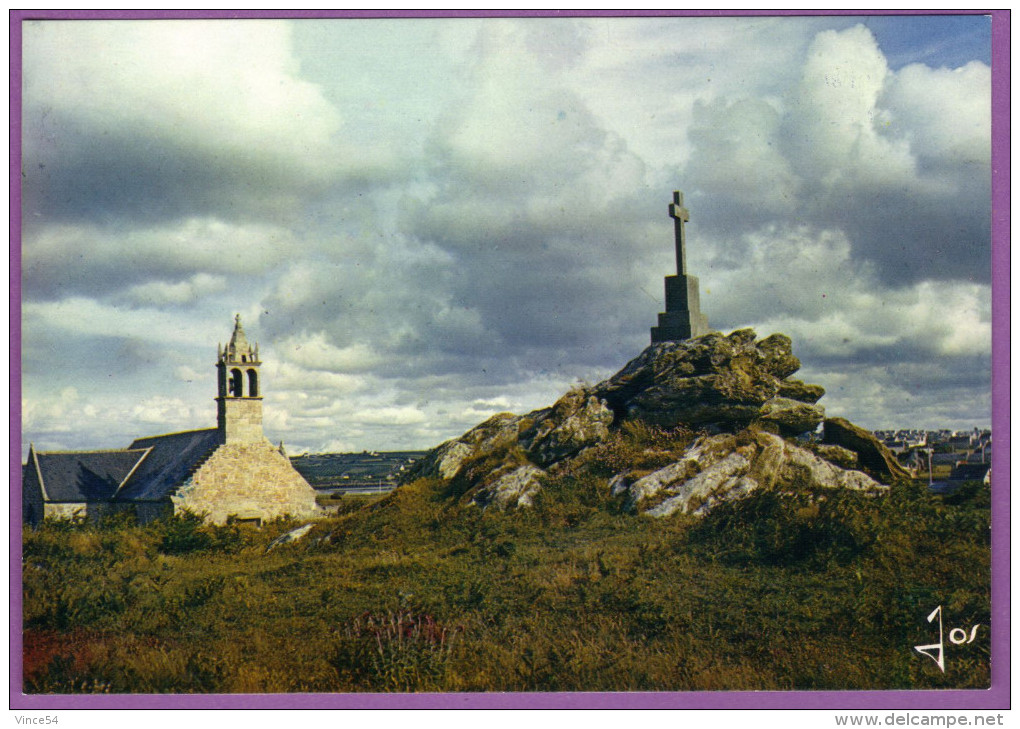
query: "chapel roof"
84, 476
172, 459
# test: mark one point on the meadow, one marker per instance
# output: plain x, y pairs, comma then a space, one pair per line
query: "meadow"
418, 591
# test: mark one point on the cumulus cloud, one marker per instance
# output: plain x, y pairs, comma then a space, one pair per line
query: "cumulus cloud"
405, 415
159, 120
162, 292
512, 236
187, 256
855, 145
78, 317
915, 99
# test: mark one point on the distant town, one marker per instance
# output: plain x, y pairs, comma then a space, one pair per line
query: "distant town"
946, 458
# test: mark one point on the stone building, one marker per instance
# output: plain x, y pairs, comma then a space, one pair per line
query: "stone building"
230, 471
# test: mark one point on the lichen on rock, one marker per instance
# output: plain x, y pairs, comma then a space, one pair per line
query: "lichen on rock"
729, 468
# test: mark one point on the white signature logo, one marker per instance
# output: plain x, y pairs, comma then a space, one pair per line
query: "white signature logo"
957, 636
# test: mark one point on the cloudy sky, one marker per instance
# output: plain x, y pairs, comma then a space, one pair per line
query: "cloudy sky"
424, 222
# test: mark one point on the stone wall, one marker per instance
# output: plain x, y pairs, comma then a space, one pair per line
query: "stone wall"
246, 480
66, 510
240, 419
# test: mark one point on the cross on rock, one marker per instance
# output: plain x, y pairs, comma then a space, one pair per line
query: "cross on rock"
683, 318
680, 215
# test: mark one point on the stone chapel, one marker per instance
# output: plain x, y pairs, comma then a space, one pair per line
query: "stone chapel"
230, 471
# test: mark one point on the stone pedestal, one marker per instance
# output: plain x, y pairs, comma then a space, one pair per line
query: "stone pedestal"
683, 318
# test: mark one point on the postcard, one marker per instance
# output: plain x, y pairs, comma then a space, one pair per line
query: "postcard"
510, 360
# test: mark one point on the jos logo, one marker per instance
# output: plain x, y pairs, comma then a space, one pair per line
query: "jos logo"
957, 636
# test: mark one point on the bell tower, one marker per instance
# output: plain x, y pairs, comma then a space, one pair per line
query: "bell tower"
239, 398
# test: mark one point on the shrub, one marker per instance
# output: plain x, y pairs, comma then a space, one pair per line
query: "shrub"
397, 651
183, 534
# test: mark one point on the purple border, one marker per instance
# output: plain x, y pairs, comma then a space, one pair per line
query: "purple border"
997, 697
15, 593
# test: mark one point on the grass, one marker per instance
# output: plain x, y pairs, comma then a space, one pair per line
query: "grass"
419, 592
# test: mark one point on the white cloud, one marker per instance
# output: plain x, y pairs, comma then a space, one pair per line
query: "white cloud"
315, 352
80, 317
391, 416
226, 87
833, 116
162, 292
92, 258
287, 377
171, 413
55, 412
189, 374
176, 177
916, 99
837, 306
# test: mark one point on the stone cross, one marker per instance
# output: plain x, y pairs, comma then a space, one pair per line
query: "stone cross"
680, 215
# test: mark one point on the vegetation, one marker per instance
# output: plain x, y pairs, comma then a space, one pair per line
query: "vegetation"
420, 592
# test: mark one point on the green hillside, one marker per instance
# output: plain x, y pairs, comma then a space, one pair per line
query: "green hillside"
424, 591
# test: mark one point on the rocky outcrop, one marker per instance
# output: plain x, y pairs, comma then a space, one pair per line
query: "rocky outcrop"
577, 421
790, 417
735, 390
446, 460
716, 381
724, 467
872, 454
512, 488
797, 390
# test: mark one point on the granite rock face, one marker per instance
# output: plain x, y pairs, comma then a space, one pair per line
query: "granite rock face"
511, 488
872, 455
734, 390
725, 467
716, 381
446, 460
577, 420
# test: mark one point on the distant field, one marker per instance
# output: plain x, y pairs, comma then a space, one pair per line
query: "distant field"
415, 591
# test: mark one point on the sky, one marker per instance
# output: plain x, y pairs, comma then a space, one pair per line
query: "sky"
424, 222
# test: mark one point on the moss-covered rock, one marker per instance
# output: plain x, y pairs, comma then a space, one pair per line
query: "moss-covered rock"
872, 455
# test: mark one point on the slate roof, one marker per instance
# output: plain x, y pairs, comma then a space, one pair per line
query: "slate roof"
173, 457
84, 476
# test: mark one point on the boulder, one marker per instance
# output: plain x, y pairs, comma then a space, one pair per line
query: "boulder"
776, 353
872, 454
576, 421
715, 381
838, 455
449, 458
797, 390
445, 460
724, 468
512, 488
791, 417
